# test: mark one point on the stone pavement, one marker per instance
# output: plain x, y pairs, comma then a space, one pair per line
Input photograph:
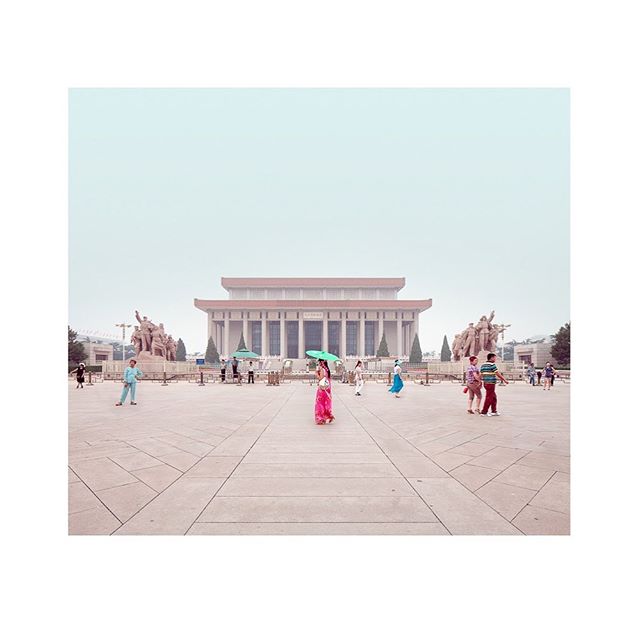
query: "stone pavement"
224, 459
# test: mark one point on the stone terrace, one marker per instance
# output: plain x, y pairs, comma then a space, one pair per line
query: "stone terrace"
224, 459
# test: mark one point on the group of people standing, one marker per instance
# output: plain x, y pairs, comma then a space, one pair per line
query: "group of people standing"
548, 372
235, 371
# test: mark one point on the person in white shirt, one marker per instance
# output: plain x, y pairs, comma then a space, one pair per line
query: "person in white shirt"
359, 378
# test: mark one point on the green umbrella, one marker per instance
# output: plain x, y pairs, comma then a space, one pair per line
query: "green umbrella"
322, 355
244, 353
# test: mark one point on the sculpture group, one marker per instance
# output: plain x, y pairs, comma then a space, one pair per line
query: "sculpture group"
151, 339
477, 338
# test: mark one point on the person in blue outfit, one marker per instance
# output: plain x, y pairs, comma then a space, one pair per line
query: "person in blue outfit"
131, 376
397, 380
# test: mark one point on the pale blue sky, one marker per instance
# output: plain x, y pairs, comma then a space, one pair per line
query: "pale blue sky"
463, 192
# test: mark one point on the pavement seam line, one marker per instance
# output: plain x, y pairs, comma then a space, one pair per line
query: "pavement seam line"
392, 463
287, 398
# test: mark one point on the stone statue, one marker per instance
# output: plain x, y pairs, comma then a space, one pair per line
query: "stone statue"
456, 347
483, 328
477, 338
152, 342
136, 339
146, 327
469, 341
496, 330
158, 347
171, 348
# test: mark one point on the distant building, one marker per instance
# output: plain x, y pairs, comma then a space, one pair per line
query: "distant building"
284, 317
538, 352
98, 352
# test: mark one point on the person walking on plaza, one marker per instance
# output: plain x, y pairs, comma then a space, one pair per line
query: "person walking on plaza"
359, 378
531, 372
549, 372
539, 374
474, 384
223, 370
234, 368
250, 379
323, 406
397, 385
80, 376
131, 376
489, 372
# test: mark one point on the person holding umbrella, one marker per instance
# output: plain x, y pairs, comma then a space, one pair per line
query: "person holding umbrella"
323, 406
397, 385
242, 354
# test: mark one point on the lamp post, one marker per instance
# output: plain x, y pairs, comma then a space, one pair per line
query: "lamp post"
124, 328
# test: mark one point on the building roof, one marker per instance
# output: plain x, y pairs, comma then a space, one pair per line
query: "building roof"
390, 283
241, 305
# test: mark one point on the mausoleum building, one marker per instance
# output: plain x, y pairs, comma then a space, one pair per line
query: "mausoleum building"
284, 317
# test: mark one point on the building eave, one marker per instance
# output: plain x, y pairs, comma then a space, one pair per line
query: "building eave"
277, 283
241, 305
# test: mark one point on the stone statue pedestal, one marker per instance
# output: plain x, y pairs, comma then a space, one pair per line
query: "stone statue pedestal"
482, 357
145, 357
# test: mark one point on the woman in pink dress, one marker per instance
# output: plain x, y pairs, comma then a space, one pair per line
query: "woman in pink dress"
323, 394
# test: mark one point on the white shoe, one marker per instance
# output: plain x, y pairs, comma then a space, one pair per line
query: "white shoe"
490, 414
496, 414
484, 415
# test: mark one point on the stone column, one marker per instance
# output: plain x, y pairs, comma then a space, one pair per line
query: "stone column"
380, 330
416, 323
343, 337
245, 331
361, 340
265, 342
226, 334
301, 337
399, 353
325, 331
283, 336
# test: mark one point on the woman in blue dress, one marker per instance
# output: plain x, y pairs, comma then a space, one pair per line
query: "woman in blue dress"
397, 380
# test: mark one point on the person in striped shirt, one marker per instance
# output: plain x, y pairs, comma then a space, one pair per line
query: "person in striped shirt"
489, 374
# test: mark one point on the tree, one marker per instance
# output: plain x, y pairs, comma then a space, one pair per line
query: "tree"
181, 351
445, 352
241, 344
77, 353
416, 352
211, 356
383, 349
561, 348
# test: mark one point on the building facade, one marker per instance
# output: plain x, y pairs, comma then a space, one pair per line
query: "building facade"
97, 352
537, 353
284, 317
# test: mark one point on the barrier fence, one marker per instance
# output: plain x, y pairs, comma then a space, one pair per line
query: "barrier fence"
276, 378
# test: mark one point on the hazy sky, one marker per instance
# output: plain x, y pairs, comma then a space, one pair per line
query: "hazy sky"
463, 192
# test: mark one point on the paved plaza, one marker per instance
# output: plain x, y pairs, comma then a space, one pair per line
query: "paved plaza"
224, 459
